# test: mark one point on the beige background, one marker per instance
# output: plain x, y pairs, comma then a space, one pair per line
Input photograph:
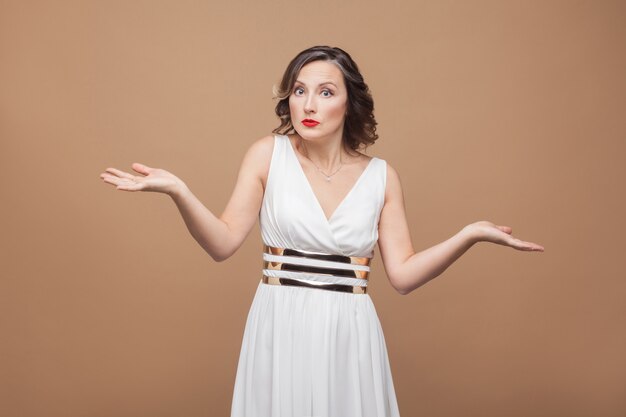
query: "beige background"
507, 111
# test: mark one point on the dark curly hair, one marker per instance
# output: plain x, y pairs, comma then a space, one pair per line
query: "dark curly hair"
360, 125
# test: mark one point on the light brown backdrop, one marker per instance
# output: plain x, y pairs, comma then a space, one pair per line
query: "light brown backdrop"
507, 111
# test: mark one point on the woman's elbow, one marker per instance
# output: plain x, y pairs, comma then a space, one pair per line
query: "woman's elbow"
221, 251
402, 290
221, 254
397, 284
405, 289
218, 258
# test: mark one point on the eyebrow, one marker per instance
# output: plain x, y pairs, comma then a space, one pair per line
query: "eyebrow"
324, 83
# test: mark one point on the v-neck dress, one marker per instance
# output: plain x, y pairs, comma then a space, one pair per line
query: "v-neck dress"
309, 352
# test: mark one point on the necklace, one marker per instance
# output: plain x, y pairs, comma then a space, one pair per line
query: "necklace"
328, 177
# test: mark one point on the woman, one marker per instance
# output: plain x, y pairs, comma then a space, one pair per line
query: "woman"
312, 344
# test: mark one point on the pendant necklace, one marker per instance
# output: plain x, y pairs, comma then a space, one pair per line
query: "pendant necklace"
327, 177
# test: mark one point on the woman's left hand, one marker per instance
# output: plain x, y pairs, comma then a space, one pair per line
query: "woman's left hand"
485, 231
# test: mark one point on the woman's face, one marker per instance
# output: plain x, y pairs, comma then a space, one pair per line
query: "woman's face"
318, 101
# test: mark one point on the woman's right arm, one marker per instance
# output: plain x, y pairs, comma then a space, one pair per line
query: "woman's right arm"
220, 236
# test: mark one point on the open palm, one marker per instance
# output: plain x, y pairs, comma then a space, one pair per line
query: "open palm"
150, 179
487, 231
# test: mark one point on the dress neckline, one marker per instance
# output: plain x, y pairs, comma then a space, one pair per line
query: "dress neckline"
312, 192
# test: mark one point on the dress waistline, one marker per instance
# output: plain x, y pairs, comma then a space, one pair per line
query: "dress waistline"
285, 266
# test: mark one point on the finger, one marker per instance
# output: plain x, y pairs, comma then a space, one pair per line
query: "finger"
125, 182
141, 168
130, 187
535, 247
526, 246
125, 188
119, 173
112, 179
505, 229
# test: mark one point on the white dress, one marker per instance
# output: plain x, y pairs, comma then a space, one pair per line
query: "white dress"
310, 352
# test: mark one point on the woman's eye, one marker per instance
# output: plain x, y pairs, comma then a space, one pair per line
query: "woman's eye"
297, 90
327, 93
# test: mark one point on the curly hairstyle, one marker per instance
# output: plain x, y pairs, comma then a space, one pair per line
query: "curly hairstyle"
360, 125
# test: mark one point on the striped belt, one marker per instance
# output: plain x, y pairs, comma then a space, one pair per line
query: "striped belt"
283, 266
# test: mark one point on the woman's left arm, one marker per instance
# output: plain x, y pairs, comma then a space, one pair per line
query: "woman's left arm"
408, 270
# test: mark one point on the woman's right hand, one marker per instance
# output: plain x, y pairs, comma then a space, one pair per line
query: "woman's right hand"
151, 179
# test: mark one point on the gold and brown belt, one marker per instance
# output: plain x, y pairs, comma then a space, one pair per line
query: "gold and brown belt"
284, 266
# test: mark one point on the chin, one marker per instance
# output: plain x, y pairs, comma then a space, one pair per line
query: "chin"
306, 133
313, 134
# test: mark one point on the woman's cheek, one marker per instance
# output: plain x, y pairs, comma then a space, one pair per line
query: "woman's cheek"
338, 110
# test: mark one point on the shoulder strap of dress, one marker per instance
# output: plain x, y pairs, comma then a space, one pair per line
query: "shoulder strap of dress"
383, 169
381, 180
277, 162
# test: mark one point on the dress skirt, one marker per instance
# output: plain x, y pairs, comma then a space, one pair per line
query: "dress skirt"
309, 352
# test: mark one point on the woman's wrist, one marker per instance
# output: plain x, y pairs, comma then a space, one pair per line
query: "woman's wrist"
177, 189
471, 234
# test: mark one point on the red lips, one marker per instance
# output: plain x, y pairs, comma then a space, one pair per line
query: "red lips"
310, 122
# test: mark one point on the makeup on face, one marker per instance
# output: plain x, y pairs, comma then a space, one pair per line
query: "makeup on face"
310, 122
318, 100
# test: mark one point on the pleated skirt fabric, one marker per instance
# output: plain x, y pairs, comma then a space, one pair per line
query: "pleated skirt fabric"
309, 352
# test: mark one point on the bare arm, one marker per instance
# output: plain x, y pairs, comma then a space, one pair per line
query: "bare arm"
219, 237
408, 270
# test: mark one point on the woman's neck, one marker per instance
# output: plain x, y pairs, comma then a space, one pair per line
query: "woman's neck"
326, 155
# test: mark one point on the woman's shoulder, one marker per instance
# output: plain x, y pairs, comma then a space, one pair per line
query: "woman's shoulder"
264, 144
259, 156
261, 149
393, 185
390, 169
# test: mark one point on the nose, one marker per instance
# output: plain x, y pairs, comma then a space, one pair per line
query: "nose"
309, 104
